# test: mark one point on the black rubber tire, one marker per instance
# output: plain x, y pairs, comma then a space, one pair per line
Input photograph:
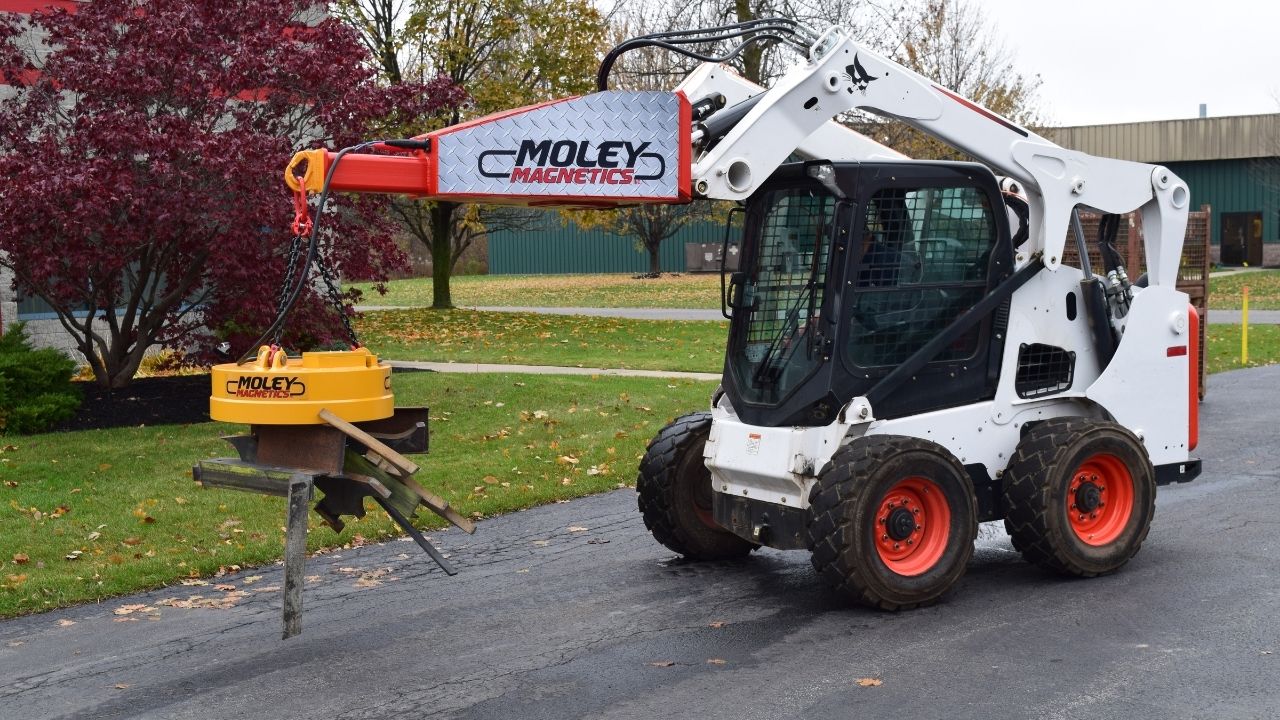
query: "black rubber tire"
674, 484
843, 524
1037, 482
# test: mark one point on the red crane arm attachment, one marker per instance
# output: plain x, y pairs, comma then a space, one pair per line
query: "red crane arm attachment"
606, 149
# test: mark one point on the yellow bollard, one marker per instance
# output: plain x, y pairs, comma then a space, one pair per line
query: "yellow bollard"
1244, 328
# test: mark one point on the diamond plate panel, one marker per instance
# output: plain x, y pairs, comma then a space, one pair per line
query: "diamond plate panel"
607, 145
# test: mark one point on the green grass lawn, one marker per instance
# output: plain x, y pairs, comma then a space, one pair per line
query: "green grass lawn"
533, 339
1223, 347
613, 290
94, 514
88, 515
1226, 291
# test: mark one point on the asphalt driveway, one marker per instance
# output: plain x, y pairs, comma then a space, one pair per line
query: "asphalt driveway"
572, 611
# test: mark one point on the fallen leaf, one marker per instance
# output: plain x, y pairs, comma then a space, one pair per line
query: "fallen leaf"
597, 541
125, 619
131, 541
15, 643
870, 682
73, 555
10, 483
121, 686
194, 581
66, 623
567, 460
128, 609
20, 558
94, 535
541, 543
662, 663
577, 529
252, 579
718, 624
716, 661
224, 587
491, 480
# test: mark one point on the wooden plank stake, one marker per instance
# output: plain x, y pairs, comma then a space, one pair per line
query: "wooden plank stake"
439, 506
402, 463
295, 552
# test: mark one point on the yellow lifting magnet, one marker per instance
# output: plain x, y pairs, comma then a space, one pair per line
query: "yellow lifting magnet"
276, 389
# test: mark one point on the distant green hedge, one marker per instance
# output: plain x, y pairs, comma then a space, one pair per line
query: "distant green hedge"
36, 392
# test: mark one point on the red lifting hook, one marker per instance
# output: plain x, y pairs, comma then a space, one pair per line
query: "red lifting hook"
301, 212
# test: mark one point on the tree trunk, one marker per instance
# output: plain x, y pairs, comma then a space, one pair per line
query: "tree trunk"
655, 260
441, 254
753, 55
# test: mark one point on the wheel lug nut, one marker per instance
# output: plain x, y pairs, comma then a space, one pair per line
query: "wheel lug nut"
1082, 517
916, 511
896, 546
1093, 515
1073, 506
909, 541
884, 537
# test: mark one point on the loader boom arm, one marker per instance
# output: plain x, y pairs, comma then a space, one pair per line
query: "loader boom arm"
842, 75
616, 148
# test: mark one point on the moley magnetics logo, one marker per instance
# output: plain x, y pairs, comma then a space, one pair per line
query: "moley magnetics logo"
577, 162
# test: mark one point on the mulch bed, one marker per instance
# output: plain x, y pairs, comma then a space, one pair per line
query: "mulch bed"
175, 400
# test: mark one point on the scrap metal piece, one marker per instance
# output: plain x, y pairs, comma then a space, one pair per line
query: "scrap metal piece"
236, 474
295, 552
246, 446
418, 537
406, 431
307, 447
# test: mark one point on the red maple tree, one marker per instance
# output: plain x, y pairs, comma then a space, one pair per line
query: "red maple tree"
142, 194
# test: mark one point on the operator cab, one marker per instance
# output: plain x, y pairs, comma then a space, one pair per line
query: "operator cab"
847, 270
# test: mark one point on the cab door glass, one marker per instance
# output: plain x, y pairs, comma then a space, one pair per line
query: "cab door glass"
923, 261
777, 345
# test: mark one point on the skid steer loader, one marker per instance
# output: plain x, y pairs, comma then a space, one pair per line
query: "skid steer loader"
908, 356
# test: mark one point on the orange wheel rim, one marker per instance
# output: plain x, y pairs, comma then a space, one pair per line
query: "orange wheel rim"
1099, 499
913, 524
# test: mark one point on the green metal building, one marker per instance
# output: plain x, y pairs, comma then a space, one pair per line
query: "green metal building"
1231, 164
554, 247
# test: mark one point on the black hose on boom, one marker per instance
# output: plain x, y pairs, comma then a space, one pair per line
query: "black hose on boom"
765, 30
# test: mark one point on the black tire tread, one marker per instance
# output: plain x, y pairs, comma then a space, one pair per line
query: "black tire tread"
656, 486
828, 523
1026, 497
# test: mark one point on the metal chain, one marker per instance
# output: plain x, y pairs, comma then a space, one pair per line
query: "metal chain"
295, 249
335, 297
